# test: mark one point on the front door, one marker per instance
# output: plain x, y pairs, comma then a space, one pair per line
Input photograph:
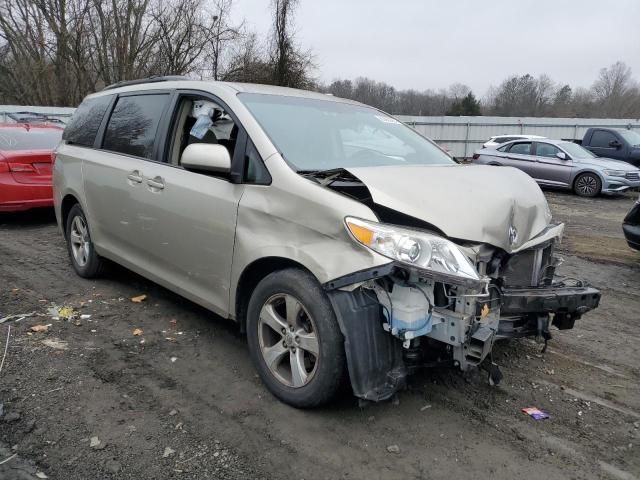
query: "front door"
603, 144
188, 219
552, 170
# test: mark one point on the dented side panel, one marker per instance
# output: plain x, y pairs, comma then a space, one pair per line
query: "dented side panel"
303, 222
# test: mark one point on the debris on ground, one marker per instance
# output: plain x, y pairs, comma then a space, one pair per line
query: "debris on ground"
168, 451
56, 344
65, 312
139, 298
12, 417
40, 328
393, 449
96, 443
536, 413
137, 332
173, 359
41, 475
17, 316
425, 408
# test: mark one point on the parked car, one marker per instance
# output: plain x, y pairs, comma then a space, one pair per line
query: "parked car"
631, 226
613, 143
339, 238
25, 165
496, 140
558, 163
33, 117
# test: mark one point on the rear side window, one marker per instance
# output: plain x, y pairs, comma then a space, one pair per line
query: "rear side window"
601, 138
523, 148
84, 123
133, 124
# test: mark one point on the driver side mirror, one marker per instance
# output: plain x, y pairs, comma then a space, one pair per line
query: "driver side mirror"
615, 144
561, 155
206, 157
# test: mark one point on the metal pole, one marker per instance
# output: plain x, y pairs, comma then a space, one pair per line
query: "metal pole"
466, 141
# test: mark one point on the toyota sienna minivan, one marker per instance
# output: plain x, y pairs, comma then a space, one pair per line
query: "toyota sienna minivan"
345, 244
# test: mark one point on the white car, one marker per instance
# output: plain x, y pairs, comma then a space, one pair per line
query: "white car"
497, 140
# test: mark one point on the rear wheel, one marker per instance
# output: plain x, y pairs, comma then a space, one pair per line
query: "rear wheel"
587, 185
86, 262
294, 339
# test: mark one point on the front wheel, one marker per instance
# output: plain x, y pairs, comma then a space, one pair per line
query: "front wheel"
294, 339
587, 185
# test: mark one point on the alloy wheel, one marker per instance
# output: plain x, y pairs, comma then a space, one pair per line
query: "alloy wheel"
80, 241
288, 340
587, 185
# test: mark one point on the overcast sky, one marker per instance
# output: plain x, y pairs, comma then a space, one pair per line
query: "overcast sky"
431, 44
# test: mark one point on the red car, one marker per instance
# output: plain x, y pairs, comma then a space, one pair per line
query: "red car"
26, 152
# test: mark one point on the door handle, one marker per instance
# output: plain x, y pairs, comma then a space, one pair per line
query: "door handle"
156, 183
135, 176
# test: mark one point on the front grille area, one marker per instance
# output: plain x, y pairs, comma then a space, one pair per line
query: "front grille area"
632, 176
530, 268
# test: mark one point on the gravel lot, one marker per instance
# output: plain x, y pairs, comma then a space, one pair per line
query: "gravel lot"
182, 400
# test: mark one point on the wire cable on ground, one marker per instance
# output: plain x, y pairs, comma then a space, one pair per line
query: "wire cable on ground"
6, 347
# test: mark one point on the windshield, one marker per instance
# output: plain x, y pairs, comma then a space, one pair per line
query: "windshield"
23, 138
316, 134
633, 138
575, 150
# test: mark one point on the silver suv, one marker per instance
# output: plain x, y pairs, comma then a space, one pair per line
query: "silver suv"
339, 239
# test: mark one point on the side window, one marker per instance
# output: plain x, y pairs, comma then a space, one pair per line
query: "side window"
601, 139
200, 120
503, 148
254, 169
521, 148
85, 122
133, 124
546, 150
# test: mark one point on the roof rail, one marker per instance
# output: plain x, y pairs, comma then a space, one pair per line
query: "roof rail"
153, 79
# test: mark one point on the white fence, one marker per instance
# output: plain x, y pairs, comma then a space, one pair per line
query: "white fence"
463, 135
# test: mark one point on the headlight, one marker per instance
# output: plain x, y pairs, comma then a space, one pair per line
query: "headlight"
419, 249
615, 173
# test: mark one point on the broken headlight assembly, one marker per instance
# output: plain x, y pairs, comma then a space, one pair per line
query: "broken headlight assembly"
425, 251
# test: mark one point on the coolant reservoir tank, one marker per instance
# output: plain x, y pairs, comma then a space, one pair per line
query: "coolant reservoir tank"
410, 316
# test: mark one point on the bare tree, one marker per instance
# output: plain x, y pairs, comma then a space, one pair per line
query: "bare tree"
614, 90
291, 65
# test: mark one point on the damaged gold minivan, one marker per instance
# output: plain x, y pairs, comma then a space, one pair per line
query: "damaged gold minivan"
342, 241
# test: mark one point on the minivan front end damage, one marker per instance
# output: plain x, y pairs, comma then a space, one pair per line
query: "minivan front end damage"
402, 316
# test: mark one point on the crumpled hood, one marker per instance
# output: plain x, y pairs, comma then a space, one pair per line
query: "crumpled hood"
479, 203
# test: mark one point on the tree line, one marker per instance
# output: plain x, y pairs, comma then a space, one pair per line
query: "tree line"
614, 94
54, 52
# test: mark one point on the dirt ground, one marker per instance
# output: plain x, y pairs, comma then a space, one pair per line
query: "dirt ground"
182, 400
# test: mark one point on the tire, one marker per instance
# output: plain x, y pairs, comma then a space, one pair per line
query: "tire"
587, 185
86, 262
286, 298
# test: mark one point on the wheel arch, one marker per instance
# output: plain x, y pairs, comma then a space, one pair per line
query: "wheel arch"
66, 205
252, 275
582, 172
